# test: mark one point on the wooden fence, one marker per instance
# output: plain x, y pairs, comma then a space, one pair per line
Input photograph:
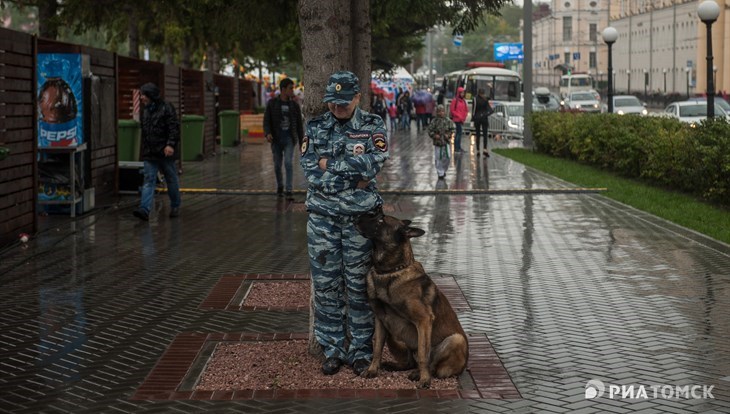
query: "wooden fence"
113, 79
17, 132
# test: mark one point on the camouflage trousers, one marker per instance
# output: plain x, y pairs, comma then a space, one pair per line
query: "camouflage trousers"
339, 258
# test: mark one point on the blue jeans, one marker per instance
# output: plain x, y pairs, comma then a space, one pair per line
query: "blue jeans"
167, 166
406, 120
283, 153
457, 136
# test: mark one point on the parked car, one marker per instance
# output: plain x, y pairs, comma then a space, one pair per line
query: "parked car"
692, 111
585, 101
545, 100
627, 104
719, 101
507, 120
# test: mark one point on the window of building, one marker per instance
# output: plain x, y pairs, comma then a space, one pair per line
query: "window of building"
592, 60
592, 32
567, 58
567, 28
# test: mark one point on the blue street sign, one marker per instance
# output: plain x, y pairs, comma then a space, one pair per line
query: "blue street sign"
508, 51
576, 55
458, 39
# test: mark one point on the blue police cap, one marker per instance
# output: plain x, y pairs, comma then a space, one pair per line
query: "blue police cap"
341, 88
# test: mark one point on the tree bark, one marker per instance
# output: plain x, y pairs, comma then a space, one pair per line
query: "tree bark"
361, 48
326, 47
133, 32
336, 35
47, 25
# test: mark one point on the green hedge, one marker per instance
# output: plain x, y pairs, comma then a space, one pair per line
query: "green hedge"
660, 150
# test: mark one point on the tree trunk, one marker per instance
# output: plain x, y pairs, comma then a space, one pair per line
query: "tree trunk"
361, 48
185, 59
335, 36
133, 33
326, 47
47, 24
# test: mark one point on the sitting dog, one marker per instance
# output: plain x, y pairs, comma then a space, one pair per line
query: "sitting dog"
411, 314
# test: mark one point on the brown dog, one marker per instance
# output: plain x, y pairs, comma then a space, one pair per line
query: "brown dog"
411, 314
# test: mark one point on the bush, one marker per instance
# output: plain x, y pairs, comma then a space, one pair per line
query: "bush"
660, 150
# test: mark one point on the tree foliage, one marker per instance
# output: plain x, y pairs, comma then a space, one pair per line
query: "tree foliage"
183, 31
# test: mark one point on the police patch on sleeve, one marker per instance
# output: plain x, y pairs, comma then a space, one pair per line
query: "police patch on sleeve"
380, 143
305, 145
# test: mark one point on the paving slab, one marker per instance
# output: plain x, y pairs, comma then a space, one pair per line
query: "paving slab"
566, 286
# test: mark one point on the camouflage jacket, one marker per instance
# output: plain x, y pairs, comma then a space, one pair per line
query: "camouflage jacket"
356, 150
440, 130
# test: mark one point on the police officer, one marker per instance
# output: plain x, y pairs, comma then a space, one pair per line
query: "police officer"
342, 152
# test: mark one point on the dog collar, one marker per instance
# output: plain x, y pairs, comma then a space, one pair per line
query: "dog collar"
396, 269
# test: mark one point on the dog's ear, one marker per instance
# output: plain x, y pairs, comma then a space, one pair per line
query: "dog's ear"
406, 222
412, 232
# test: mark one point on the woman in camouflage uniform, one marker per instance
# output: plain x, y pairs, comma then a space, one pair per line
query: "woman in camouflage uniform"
342, 152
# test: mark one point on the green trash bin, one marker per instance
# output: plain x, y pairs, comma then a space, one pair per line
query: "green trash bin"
129, 140
193, 128
229, 127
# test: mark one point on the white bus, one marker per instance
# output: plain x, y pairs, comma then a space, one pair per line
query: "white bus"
575, 82
500, 84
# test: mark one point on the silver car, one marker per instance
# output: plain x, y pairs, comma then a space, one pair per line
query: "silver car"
584, 101
627, 104
692, 111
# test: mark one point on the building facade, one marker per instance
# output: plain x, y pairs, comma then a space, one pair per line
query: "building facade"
661, 46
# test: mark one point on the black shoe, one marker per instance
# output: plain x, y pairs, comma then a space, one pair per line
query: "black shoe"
359, 366
289, 195
175, 212
280, 191
331, 366
141, 214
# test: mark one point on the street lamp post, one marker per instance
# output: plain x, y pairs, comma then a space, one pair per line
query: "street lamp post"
687, 70
610, 35
628, 76
708, 11
664, 71
646, 81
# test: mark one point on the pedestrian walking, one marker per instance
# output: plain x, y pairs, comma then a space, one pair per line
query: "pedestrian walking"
440, 130
405, 105
480, 117
342, 152
283, 128
160, 139
393, 115
458, 111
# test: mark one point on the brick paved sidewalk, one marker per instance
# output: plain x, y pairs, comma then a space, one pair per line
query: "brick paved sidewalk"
565, 286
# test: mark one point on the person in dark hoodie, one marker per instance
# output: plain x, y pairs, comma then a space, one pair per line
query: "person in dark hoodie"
160, 139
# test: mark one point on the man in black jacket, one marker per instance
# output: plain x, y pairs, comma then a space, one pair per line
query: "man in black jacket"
284, 128
160, 139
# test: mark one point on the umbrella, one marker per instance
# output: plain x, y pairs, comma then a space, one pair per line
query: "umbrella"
421, 97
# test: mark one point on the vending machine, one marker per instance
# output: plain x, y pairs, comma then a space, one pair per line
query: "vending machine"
63, 172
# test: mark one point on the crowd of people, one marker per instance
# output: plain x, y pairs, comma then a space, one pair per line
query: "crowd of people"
418, 106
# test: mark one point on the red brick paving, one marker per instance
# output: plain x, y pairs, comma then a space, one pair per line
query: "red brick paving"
485, 370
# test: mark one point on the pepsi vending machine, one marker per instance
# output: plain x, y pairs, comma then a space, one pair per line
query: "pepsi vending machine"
60, 97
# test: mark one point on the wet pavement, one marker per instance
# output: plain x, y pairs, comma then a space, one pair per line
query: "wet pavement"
567, 286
